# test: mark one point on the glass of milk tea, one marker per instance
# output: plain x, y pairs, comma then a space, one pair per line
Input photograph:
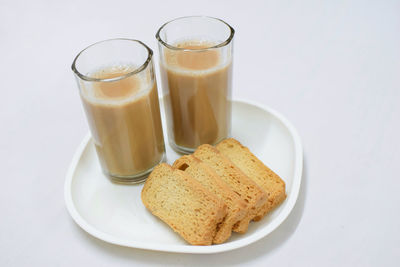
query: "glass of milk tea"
196, 74
119, 94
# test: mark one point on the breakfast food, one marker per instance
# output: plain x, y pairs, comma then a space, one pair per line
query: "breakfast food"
236, 207
115, 111
246, 188
216, 190
255, 170
184, 204
197, 85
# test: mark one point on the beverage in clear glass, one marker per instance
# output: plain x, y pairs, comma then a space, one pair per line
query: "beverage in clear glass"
119, 94
196, 74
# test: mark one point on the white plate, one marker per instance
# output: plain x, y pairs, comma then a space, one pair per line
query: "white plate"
114, 213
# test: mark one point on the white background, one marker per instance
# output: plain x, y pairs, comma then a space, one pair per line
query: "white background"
331, 67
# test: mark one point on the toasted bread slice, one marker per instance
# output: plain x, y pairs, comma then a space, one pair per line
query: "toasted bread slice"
257, 171
237, 208
184, 204
242, 185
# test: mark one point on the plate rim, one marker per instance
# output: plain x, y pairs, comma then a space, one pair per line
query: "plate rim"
291, 200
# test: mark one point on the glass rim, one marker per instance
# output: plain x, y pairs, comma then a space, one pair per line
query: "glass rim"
222, 44
130, 73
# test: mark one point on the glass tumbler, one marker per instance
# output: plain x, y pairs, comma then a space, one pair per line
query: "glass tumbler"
196, 73
118, 90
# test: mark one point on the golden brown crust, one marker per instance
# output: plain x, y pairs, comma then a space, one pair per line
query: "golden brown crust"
237, 208
257, 171
213, 192
184, 204
242, 185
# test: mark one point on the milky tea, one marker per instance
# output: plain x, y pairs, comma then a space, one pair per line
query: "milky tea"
125, 120
196, 75
198, 85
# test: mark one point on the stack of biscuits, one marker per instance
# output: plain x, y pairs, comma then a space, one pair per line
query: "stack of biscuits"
216, 190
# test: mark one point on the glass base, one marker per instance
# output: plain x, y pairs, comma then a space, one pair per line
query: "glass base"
181, 149
187, 150
132, 179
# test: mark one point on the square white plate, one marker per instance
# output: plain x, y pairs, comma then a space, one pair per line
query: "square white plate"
115, 213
